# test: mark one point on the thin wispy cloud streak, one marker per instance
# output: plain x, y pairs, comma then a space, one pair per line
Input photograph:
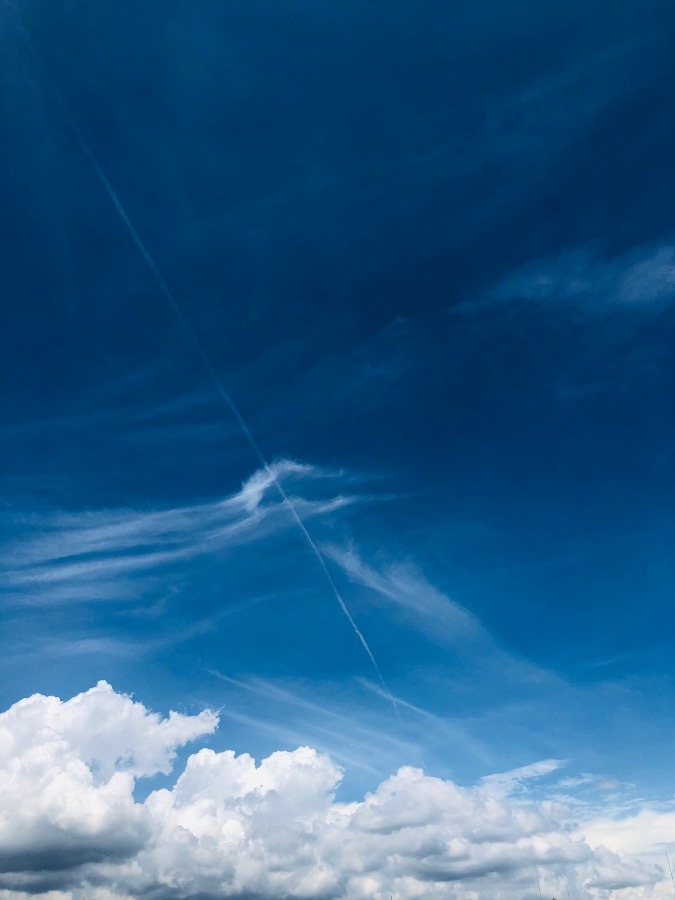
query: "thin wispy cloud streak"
580, 280
413, 595
94, 548
357, 736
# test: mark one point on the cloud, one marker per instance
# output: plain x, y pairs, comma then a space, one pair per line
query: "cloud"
506, 783
581, 278
496, 670
639, 832
254, 488
231, 827
67, 776
88, 555
404, 586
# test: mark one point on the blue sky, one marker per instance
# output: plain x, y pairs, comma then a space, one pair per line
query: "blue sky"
430, 254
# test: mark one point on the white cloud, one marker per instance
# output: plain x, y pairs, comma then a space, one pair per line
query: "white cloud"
91, 555
644, 276
254, 488
581, 278
645, 831
406, 587
107, 731
506, 783
228, 827
67, 773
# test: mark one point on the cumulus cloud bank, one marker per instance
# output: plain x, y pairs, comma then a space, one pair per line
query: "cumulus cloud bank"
70, 826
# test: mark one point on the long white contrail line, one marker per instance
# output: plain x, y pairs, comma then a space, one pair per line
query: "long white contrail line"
224, 395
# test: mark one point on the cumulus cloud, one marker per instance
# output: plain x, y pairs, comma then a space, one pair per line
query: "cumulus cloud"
67, 773
70, 826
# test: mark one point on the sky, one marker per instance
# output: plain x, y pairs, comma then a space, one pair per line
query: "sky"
337, 438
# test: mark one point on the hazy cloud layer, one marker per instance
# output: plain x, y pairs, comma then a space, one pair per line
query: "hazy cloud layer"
229, 827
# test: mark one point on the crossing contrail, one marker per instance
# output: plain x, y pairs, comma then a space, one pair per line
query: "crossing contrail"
208, 365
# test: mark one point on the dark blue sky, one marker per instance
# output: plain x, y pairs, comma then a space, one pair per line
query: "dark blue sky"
430, 251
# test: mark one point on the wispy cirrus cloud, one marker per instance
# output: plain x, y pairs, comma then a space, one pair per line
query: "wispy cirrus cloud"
583, 278
643, 276
292, 713
405, 587
85, 555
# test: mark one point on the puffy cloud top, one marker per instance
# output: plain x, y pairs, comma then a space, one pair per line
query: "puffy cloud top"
71, 828
107, 731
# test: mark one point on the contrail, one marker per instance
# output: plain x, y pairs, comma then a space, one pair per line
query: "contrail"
201, 353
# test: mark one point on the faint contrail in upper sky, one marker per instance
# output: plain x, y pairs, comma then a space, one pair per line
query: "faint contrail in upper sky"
224, 395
